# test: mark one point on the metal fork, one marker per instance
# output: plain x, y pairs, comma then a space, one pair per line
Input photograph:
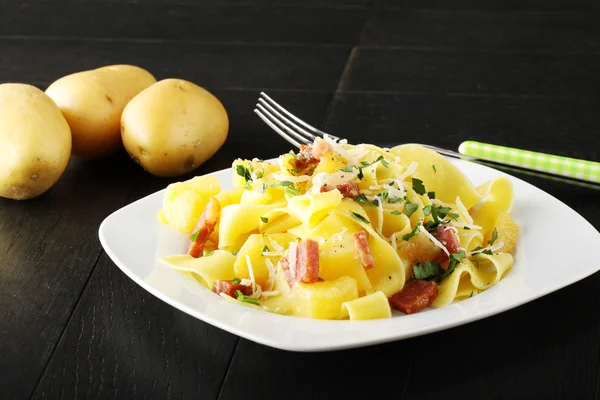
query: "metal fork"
298, 132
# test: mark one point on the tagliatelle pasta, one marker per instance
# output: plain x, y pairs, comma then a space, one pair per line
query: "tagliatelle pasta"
341, 231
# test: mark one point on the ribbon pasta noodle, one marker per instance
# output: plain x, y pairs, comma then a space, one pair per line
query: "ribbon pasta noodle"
342, 231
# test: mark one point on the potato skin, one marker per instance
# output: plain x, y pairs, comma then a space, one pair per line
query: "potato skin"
173, 126
92, 102
35, 142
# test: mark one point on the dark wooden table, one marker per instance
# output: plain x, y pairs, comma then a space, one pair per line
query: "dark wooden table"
520, 73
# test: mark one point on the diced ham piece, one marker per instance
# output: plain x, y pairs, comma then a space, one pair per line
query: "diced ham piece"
229, 288
348, 189
204, 227
446, 234
304, 159
320, 149
415, 296
301, 262
364, 250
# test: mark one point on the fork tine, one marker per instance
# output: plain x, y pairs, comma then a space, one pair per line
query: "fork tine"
276, 128
286, 123
269, 101
298, 132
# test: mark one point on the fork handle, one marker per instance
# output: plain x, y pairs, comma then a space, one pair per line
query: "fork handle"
584, 170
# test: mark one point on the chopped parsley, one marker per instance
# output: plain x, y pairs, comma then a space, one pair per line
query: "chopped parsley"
194, 235
431, 195
292, 191
360, 174
418, 186
235, 252
260, 174
360, 217
210, 253
466, 228
410, 208
383, 161
347, 168
265, 249
363, 200
236, 281
412, 233
494, 236
246, 299
434, 170
455, 259
431, 210
427, 271
243, 172
264, 219
431, 270
383, 196
487, 251
283, 183
396, 212
431, 225
394, 199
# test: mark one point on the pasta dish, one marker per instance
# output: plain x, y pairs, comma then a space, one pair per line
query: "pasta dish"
343, 231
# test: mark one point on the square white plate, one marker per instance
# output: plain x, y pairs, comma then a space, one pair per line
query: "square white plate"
549, 256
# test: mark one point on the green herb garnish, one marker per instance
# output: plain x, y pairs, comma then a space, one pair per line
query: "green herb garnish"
434, 170
455, 259
360, 217
265, 249
243, 172
427, 271
291, 191
264, 219
363, 200
494, 236
347, 168
246, 299
283, 183
360, 174
194, 235
418, 186
235, 252
396, 212
410, 208
394, 199
412, 233
431, 195
210, 253
236, 281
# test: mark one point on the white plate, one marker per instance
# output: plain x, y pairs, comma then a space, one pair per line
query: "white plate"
556, 248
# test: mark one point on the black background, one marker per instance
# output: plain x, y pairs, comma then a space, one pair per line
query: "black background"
519, 73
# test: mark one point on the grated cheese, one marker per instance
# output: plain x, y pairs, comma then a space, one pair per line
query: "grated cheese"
412, 167
338, 147
289, 178
461, 225
275, 245
256, 289
393, 192
463, 210
434, 240
331, 180
270, 293
271, 279
272, 253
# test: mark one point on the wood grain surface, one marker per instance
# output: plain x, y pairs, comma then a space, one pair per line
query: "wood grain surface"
518, 73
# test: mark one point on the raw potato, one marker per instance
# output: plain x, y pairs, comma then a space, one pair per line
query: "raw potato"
35, 142
173, 126
93, 101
